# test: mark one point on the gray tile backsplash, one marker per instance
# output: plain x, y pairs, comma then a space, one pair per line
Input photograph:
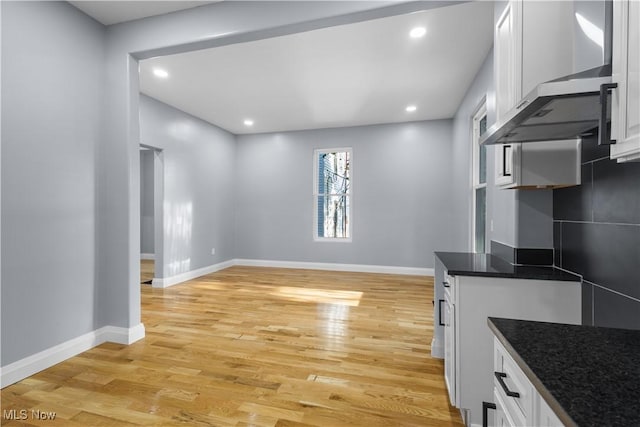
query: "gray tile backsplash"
597, 235
614, 310
616, 192
575, 203
604, 254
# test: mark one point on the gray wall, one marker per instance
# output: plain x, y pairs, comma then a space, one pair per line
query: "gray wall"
52, 68
534, 219
146, 202
401, 194
198, 186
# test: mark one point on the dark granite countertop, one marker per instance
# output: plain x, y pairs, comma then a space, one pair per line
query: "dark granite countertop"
590, 376
471, 264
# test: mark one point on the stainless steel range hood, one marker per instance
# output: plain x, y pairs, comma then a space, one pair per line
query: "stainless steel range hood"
559, 109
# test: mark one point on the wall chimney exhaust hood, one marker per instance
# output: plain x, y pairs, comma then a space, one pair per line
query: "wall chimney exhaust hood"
564, 108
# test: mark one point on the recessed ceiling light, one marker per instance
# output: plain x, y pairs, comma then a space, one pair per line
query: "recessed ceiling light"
159, 72
418, 32
248, 122
411, 108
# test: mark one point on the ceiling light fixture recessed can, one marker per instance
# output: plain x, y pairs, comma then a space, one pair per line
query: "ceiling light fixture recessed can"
417, 32
159, 72
411, 108
248, 122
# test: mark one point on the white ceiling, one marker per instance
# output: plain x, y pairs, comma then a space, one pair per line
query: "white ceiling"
116, 11
357, 74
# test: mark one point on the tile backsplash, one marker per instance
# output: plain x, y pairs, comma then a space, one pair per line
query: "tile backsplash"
597, 235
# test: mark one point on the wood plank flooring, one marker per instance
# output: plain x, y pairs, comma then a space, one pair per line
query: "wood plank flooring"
251, 346
146, 270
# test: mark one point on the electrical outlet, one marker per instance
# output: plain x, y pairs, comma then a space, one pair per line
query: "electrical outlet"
213, 251
491, 225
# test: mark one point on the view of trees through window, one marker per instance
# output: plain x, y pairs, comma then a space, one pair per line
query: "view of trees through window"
333, 185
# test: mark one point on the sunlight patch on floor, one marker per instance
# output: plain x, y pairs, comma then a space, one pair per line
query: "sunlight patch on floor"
320, 296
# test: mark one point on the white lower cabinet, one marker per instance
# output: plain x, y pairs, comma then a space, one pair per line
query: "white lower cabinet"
502, 417
546, 416
468, 341
449, 348
518, 403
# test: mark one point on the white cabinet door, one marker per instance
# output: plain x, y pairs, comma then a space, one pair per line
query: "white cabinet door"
547, 42
533, 43
625, 108
508, 58
449, 348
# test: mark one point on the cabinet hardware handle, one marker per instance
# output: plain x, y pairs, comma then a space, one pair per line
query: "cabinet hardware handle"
500, 377
485, 412
504, 160
440, 322
446, 284
604, 130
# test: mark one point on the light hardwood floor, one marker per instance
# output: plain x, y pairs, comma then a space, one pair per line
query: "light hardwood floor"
146, 270
262, 347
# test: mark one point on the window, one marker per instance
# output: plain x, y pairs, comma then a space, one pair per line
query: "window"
479, 181
332, 194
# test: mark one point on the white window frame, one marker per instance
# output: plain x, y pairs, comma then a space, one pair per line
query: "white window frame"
481, 112
316, 238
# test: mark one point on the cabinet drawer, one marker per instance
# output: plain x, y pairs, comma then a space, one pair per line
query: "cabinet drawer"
509, 379
504, 415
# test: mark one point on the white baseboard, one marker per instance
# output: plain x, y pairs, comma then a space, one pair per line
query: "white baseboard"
360, 268
165, 282
437, 350
30, 365
120, 335
148, 256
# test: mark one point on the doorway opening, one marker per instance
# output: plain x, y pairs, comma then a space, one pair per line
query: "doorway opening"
151, 218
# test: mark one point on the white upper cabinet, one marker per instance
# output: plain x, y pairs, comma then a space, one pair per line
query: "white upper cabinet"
508, 58
533, 43
625, 108
547, 42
